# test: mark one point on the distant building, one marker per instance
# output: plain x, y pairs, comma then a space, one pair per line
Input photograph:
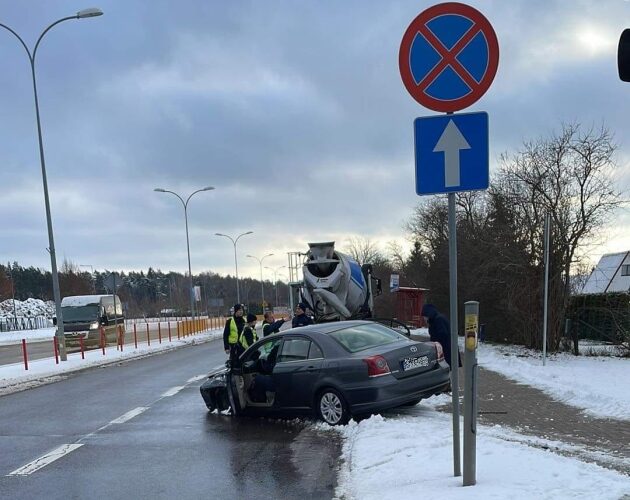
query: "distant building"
612, 274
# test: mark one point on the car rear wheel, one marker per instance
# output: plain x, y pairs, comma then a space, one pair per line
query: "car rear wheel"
332, 408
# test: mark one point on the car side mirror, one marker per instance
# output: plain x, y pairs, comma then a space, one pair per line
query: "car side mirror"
104, 320
54, 320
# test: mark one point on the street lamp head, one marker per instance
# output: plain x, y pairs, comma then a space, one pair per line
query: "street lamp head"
249, 232
208, 188
159, 190
91, 12
251, 256
219, 234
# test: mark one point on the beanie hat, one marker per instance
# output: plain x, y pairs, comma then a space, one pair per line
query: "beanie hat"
302, 306
251, 317
237, 307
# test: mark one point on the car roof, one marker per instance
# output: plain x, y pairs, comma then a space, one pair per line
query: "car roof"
333, 326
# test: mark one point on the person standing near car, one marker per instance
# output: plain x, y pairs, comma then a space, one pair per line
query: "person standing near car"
439, 330
300, 318
270, 325
232, 331
248, 336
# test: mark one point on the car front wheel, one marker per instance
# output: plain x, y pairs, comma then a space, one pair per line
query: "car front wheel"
331, 407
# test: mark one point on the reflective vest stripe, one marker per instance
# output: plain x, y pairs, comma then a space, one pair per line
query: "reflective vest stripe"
233, 336
243, 339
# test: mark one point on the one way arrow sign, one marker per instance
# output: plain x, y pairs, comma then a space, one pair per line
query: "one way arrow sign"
451, 153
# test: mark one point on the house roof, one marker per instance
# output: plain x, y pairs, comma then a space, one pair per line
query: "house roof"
606, 277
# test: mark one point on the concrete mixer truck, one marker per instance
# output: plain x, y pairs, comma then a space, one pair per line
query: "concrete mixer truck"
335, 286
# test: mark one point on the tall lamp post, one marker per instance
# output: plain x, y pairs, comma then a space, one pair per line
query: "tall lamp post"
262, 284
82, 14
275, 278
185, 204
234, 241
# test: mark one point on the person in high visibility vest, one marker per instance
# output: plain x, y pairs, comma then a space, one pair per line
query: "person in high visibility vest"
232, 331
270, 325
248, 336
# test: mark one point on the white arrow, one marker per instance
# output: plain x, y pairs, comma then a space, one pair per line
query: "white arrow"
451, 142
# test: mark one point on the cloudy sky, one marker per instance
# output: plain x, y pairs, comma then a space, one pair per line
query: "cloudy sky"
294, 111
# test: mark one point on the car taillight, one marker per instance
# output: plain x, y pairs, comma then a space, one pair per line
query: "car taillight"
377, 366
439, 352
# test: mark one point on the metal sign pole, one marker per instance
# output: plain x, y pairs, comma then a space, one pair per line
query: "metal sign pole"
452, 264
471, 323
545, 306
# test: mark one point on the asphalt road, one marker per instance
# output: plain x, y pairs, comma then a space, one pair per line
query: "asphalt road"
140, 430
44, 349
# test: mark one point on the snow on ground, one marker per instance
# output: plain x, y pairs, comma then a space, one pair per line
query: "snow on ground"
14, 377
408, 453
404, 457
593, 384
10, 338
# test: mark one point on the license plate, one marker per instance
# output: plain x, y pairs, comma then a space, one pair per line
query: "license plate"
412, 363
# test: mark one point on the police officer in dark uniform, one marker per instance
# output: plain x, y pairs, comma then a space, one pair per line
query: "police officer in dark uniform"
300, 318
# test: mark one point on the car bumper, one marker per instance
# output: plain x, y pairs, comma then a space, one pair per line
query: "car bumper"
389, 392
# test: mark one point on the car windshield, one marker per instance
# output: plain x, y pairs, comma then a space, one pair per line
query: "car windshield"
358, 338
82, 313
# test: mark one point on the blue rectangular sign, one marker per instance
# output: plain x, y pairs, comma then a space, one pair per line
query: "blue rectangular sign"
451, 153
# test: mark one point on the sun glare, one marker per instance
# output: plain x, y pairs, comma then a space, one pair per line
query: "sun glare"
595, 41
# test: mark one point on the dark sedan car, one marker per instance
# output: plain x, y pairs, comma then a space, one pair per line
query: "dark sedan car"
334, 370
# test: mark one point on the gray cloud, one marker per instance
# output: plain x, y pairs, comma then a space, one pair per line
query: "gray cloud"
294, 111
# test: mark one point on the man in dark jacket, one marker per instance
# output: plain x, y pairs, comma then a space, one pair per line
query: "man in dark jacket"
232, 331
270, 325
248, 335
300, 318
439, 330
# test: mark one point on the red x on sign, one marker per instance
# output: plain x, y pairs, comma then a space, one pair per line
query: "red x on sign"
448, 57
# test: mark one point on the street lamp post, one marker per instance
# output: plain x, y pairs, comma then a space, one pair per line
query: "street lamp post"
275, 278
185, 204
82, 14
234, 241
262, 284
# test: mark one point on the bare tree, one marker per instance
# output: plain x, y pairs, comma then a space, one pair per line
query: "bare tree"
364, 251
568, 175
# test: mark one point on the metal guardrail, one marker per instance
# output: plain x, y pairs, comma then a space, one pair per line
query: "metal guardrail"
23, 323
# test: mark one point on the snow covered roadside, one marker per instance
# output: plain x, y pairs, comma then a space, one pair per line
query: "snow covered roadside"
589, 383
14, 378
40, 335
597, 385
400, 457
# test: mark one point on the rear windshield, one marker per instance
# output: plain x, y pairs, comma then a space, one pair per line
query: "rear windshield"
358, 338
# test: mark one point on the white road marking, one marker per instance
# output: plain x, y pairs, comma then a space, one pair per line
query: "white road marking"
129, 415
44, 460
172, 391
197, 378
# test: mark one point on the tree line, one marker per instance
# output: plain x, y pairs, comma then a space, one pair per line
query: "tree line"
143, 293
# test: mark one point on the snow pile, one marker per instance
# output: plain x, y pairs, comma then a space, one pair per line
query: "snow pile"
593, 384
29, 308
411, 457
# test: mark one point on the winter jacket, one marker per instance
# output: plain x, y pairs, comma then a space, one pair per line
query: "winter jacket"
269, 328
246, 339
301, 320
440, 331
240, 323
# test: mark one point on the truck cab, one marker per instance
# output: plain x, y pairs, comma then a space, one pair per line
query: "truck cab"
85, 315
